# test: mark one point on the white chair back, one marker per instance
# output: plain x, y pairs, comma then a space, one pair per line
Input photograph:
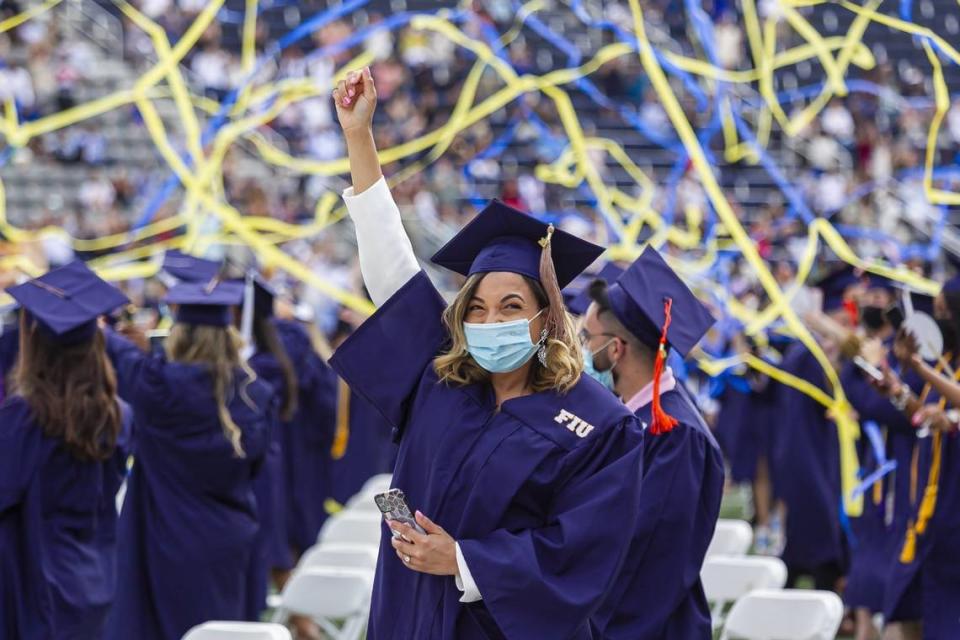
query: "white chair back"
329, 595
376, 484
352, 528
361, 503
727, 578
238, 631
730, 538
791, 614
350, 556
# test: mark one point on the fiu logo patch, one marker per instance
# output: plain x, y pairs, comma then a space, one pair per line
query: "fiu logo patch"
578, 425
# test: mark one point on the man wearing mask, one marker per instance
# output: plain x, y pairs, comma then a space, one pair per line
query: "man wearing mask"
627, 332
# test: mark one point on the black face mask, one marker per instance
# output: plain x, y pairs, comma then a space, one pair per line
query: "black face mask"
872, 317
950, 336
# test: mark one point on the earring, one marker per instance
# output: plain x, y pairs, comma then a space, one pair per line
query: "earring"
542, 351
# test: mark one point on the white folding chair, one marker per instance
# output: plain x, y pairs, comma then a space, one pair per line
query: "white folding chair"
351, 528
376, 484
350, 556
790, 614
238, 631
363, 503
728, 578
338, 599
730, 538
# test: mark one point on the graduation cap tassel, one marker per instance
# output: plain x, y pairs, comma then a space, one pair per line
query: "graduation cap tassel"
548, 278
661, 422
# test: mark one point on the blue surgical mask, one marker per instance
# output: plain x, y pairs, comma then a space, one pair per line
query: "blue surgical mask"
499, 347
603, 377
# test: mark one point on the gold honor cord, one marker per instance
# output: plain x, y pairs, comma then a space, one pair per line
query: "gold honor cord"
205, 218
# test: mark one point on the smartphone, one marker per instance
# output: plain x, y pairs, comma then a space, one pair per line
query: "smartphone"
868, 368
894, 316
393, 505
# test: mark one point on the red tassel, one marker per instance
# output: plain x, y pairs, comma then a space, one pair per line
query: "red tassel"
661, 422
852, 311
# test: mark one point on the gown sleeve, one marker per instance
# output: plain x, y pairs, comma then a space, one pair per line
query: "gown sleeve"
19, 451
386, 356
546, 582
130, 363
387, 260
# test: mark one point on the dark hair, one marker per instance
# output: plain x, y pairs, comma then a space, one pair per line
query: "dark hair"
71, 391
598, 291
266, 339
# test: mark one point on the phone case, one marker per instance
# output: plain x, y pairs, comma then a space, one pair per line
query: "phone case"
393, 505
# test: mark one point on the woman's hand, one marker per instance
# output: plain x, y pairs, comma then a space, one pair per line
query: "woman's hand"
356, 100
890, 385
905, 348
434, 552
933, 417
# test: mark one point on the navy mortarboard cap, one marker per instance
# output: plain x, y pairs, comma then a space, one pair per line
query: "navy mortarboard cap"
875, 281
952, 285
187, 268
206, 303
263, 295
581, 302
835, 284
638, 300
67, 301
501, 238
645, 299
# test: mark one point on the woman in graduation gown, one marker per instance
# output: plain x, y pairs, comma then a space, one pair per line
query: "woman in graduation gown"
271, 363
525, 474
308, 437
190, 518
62, 437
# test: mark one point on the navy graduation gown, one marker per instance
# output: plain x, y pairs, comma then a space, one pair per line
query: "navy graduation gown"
658, 595
307, 438
807, 463
272, 550
542, 495
926, 580
362, 445
189, 521
874, 539
58, 531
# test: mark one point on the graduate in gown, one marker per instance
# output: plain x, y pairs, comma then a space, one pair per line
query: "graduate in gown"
190, 519
925, 579
308, 437
807, 455
271, 363
362, 447
63, 435
525, 474
626, 334
872, 534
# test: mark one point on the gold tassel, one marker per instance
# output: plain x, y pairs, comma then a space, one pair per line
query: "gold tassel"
342, 435
909, 551
929, 503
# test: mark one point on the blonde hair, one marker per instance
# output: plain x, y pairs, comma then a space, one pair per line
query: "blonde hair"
219, 349
564, 360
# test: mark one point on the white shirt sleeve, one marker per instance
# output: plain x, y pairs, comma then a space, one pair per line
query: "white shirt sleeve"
387, 260
464, 579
